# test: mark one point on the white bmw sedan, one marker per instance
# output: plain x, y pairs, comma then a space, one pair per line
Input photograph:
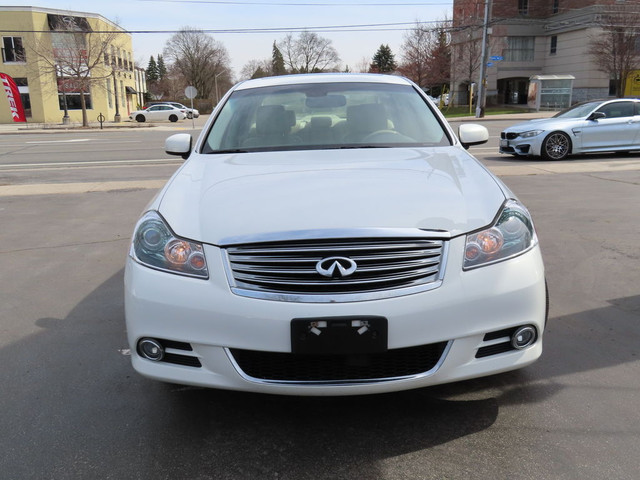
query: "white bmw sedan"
330, 235
596, 126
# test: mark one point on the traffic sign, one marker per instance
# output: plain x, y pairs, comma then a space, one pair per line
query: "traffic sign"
190, 92
496, 58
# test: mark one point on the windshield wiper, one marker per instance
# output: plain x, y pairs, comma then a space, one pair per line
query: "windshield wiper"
230, 150
345, 147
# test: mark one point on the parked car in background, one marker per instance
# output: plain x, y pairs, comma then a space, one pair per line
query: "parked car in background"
190, 112
595, 126
330, 235
442, 100
156, 113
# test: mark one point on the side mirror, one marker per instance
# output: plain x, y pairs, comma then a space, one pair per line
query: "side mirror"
472, 134
597, 116
179, 144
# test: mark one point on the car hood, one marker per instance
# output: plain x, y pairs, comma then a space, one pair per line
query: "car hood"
545, 124
220, 198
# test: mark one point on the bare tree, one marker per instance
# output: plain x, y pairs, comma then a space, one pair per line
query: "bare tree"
256, 69
203, 61
426, 57
615, 49
363, 65
77, 57
309, 53
466, 59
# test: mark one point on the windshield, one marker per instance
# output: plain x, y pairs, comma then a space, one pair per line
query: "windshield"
578, 111
324, 115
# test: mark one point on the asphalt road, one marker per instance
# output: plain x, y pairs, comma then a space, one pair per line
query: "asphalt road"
73, 408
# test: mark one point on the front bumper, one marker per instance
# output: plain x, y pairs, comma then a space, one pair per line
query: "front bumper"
213, 322
526, 147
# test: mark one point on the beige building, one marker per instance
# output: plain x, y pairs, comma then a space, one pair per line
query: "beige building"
57, 56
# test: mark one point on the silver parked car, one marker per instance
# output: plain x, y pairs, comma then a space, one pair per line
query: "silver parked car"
596, 126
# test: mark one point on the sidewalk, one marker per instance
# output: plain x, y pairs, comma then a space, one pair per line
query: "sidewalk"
17, 128
516, 117
12, 128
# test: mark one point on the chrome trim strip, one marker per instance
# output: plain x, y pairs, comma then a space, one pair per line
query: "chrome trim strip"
336, 298
338, 234
339, 383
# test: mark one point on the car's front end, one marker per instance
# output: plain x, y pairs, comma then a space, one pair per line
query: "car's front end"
333, 270
523, 139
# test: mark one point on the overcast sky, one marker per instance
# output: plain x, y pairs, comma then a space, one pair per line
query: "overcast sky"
352, 46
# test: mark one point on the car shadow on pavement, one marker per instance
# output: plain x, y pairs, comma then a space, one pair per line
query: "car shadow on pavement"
74, 408
596, 157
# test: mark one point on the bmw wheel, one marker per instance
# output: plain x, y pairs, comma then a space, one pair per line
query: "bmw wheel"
140, 118
556, 146
173, 118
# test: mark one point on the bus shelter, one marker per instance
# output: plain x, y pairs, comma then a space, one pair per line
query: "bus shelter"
550, 92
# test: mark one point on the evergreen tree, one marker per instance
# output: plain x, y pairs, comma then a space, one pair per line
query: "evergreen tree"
277, 61
152, 71
162, 69
259, 73
383, 60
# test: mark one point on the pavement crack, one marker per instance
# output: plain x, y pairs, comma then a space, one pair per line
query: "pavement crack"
64, 245
615, 180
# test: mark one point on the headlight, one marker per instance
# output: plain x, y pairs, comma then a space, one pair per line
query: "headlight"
155, 246
512, 234
531, 133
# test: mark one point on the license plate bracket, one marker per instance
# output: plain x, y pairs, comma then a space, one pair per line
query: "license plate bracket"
339, 335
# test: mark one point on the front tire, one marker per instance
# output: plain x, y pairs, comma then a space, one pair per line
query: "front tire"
140, 118
556, 146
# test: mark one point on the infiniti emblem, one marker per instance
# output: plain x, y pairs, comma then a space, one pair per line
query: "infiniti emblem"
336, 267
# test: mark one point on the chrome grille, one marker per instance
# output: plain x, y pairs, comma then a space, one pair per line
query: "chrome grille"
386, 267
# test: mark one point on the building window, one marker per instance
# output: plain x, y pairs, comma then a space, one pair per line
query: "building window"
519, 49
69, 90
23, 88
523, 7
12, 50
554, 45
556, 6
613, 87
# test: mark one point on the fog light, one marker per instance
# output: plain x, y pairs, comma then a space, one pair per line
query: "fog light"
151, 349
523, 337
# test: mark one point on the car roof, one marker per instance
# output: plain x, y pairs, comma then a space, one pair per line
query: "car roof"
322, 78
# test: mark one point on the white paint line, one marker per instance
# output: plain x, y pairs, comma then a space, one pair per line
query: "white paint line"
97, 162
73, 140
67, 188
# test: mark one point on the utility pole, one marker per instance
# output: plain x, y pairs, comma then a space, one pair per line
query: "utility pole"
482, 83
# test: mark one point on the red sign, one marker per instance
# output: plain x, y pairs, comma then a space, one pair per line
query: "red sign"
13, 95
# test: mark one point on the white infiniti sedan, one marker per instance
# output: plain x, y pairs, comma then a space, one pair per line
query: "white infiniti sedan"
330, 235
